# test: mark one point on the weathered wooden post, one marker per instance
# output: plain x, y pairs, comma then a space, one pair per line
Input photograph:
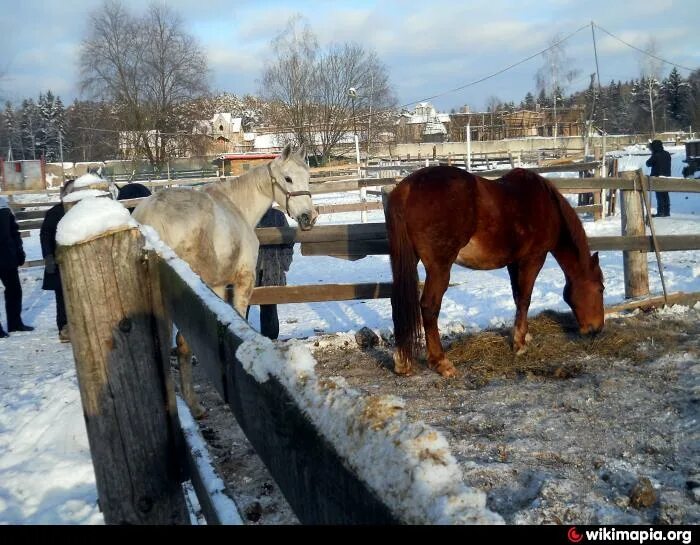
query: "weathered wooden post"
634, 261
118, 344
598, 202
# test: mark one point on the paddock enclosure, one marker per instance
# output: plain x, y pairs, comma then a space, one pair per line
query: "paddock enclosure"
346, 441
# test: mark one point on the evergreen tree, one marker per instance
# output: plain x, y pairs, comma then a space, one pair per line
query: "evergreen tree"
13, 140
529, 102
676, 94
29, 124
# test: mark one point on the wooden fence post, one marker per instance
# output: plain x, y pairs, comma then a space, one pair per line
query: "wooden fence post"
124, 382
634, 261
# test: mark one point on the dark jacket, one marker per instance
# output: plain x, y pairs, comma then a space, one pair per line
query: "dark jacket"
11, 249
273, 261
47, 236
133, 191
660, 160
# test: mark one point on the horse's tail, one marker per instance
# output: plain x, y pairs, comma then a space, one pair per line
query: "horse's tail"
405, 305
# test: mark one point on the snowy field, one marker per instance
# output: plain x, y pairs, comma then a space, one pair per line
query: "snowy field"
46, 474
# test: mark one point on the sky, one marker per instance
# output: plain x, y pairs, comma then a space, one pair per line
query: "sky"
429, 48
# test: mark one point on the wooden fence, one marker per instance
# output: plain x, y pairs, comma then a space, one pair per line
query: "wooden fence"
32, 219
305, 430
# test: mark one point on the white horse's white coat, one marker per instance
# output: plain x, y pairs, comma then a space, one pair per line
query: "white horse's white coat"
213, 229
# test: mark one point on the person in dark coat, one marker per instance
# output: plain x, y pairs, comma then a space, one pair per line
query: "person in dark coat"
133, 191
660, 163
11, 258
271, 270
52, 276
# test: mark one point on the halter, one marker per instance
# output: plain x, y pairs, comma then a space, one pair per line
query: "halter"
287, 194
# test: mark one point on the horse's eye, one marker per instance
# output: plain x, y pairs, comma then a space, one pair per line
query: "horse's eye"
288, 179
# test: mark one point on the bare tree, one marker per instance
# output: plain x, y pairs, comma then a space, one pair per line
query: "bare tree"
288, 79
650, 66
311, 87
150, 68
555, 74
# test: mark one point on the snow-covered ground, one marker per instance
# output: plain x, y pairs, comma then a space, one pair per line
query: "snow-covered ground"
46, 474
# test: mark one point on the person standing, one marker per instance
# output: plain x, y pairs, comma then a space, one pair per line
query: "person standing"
271, 270
11, 258
660, 163
52, 276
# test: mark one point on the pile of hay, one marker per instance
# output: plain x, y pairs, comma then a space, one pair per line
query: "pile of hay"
557, 350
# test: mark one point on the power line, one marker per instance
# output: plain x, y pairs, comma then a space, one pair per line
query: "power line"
642, 51
499, 72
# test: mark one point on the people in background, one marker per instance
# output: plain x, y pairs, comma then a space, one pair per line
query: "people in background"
271, 270
11, 258
52, 276
660, 163
133, 190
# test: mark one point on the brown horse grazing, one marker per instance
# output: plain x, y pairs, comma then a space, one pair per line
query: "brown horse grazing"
444, 215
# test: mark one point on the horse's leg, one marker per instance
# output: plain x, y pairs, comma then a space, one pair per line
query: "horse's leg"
184, 358
522, 279
436, 282
243, 290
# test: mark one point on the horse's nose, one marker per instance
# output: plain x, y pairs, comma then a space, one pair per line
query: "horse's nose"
304, 221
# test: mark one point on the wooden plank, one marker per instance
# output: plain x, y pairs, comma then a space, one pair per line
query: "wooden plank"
348, 207
23, 205
311, 475
30, 224
351, 185
30, 214
588, 208
573, 167
667, 243
195, 326
604, 243
223, 510
346, 248
321, 233
648, 303
274, 295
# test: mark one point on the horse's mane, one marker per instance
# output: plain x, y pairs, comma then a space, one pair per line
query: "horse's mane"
572, 223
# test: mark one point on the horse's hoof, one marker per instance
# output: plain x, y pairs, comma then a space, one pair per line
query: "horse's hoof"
528, 338
199, 412
520, 351
445, 368
401, 366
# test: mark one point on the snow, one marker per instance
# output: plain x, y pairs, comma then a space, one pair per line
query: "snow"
87, 180
46, 474
224, 506
91, 217
76, 196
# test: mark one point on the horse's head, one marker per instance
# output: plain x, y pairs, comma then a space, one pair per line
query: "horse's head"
290, 175
584, 294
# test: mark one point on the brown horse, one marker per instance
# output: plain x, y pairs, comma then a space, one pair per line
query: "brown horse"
444, 215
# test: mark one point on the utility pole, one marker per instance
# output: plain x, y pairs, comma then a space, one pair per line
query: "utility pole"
60, 150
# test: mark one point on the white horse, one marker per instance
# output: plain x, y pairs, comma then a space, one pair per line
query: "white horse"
213, 230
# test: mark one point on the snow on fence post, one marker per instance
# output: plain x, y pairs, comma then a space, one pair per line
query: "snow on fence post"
118, 346
634, 262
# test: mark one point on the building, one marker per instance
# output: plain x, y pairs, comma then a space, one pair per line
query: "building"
424, 124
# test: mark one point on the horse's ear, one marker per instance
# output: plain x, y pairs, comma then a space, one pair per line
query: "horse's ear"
286, 151
594, 260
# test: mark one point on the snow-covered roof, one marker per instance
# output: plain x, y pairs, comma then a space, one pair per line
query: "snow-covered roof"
225, 119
